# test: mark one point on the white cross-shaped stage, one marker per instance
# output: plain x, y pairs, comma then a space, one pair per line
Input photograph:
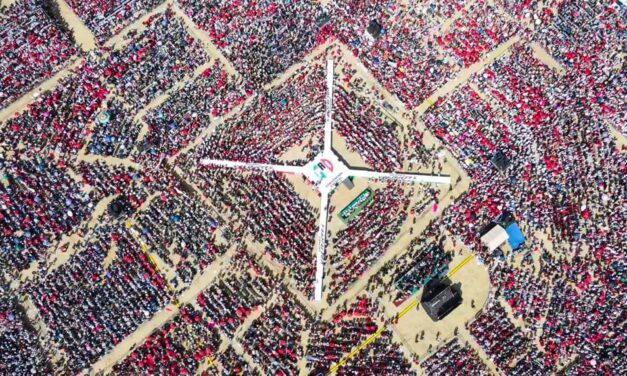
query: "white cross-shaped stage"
326, 171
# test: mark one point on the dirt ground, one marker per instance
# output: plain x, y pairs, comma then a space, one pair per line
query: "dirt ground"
473, 277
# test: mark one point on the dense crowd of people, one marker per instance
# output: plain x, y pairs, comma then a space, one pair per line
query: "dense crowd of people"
178, 121
404, 58
585, 37
271, 210
521, 83
233, 363
93, 301
563, 178
383, 356
261, 38
234, 297
367, 238
33, 47
461, 117
442, 10
454, 358
540, 159
498, 337
177, 348
429, 263
350, 326
40, 203
289, 115
21, 352
274, 340
330, 341
179, 229
533, 12
555, 138
155, 59
57, 121
583, 34
525, 293
190, 342
107, 18
473, 35
581, 320
367, 131
106, 180
115, 131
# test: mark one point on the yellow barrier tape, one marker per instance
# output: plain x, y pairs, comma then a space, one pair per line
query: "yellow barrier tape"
357, 350
461, 265
401, 314
145, 248
412, 305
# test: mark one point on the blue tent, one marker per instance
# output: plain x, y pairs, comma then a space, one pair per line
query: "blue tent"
516, 237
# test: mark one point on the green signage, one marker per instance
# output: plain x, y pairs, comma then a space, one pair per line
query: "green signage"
352, 210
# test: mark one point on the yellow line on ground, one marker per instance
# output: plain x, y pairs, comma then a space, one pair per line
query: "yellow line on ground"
412, 305
361, 347
145, 248
450, 274
401, 314
461, 265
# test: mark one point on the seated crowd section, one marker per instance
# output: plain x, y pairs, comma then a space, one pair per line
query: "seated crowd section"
454, 357
33, 47
131, 121
233, 298
383, 356
288, 115
367, 238
22, 352
359, 122
551, 125
498, 337
115, 131
110, 298
331, 340
271, 211
40, 203
106, 18
156, 58
159, 56
179, 230
261, 38
177, 348
176, 123
197, 333
274, 340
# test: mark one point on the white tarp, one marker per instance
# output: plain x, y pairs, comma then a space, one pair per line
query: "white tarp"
495, 238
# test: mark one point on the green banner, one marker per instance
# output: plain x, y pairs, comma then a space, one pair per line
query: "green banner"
353, 209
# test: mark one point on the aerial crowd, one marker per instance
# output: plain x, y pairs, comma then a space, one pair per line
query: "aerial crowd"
109, 218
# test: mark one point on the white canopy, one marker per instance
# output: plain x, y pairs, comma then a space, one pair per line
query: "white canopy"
495, 237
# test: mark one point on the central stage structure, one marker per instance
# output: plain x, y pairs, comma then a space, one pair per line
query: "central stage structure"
326, 172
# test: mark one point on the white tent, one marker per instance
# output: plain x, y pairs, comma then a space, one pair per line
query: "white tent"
495, 237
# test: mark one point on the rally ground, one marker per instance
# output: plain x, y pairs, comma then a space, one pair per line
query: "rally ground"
412, 320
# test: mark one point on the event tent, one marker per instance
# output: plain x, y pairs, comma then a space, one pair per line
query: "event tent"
516, 237
494, 238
